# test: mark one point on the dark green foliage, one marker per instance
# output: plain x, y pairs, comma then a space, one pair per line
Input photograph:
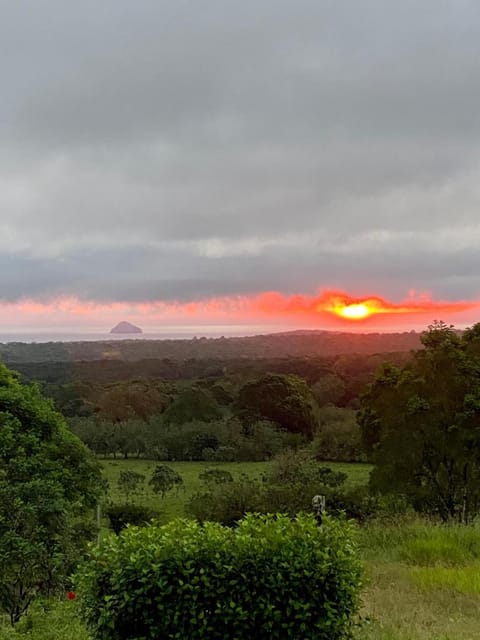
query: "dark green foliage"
338, 437
192, 403
164, 479
183, 442
130, 482
295, 478
216, 476
283, 399
228, 502
357, 503
299, 468
222, 454
329, 389
171, 359
421, 425
221, 394
225, 440
270, 578
120, 515
71, 399
134, 399
200, 442
288, 488
49, 484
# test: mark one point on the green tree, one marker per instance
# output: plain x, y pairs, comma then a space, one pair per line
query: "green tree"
421, 425
338, 437
129, 482
283, 399
192, 403
329, 389
164, 479
49, 484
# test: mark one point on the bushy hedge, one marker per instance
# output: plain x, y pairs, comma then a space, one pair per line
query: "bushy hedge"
121, 515
270, 578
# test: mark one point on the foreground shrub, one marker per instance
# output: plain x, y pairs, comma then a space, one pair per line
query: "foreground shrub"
269, 578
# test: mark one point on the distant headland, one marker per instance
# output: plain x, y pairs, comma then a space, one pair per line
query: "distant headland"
125, 327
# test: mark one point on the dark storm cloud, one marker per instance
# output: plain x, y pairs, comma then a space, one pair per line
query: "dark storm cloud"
184, 149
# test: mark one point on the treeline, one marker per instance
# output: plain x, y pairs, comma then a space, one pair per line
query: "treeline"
295, 344
337, 438
349, 366
211, 409
342, 377
220, 441
243, 410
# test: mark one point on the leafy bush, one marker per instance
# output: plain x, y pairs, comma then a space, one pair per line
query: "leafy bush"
354, 502
297, 467
270, 578
120, 515
227, 502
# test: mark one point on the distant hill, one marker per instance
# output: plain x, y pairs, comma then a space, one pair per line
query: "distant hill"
125, 327
281, 345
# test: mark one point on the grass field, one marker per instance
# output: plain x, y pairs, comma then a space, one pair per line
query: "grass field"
173, 504
423, 580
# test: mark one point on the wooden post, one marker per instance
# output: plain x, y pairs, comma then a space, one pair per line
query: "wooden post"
99, 522
318, 505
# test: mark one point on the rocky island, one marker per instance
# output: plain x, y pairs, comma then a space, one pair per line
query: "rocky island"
125, 327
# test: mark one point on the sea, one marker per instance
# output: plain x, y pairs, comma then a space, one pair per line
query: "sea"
166, 333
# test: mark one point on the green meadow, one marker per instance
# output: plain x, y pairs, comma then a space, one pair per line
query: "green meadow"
173, 505
422, 579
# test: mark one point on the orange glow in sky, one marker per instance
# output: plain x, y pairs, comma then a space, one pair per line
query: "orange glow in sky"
356, 309
325, 310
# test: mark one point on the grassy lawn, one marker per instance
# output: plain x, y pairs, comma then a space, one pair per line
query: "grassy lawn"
56, 620
173, 504
422, 582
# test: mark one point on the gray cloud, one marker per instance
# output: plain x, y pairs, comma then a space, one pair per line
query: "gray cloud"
178, 149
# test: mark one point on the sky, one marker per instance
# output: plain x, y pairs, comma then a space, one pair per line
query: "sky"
221, 162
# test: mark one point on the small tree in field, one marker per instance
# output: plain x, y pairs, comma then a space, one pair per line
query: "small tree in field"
49, 484
164, 479
130, 482
421, 425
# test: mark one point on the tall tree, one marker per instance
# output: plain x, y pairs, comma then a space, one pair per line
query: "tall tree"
49, 483
285, 400
421, 425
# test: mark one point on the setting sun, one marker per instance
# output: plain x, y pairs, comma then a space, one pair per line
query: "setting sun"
356, 311
348, 308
